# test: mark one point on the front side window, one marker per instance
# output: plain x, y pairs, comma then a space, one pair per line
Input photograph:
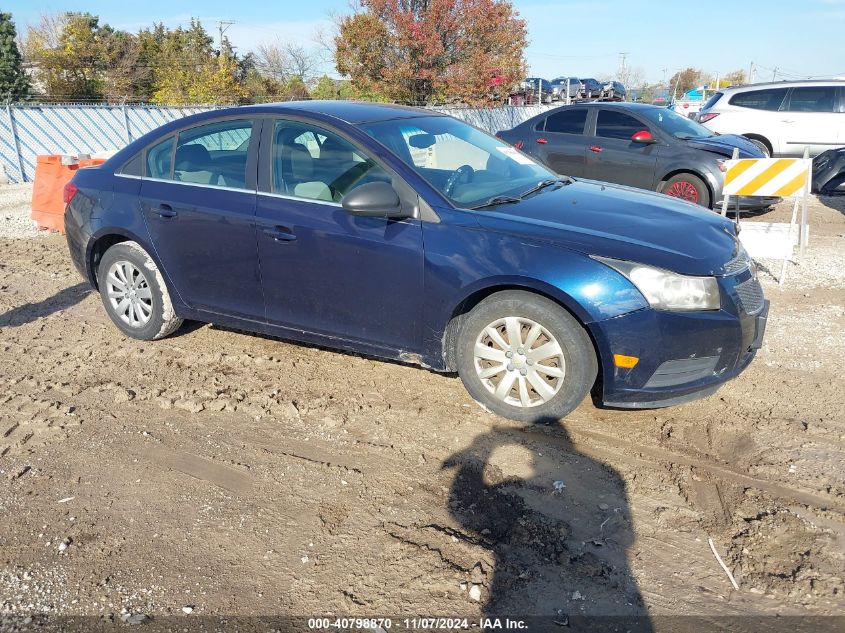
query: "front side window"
214, 154
769, 99
812, 99
567, 121
618, 125
317, 164
159, 159
466, 165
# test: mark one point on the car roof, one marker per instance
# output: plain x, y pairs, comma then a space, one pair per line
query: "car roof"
620, 105
352, 112
784, 84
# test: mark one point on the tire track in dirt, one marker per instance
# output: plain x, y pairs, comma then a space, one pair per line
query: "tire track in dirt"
619, 448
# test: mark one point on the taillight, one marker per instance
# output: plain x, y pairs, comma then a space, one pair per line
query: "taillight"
519, 144
69, 192
707, 116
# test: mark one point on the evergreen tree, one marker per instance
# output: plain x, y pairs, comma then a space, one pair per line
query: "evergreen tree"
14, 82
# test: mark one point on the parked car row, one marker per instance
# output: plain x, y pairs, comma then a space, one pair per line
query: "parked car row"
537, 89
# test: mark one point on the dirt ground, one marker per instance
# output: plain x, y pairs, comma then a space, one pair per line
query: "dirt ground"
220, 473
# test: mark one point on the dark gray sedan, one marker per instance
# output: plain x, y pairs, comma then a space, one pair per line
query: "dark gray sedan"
634, 144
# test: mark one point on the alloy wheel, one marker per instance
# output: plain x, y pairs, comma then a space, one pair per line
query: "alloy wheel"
684, 190
129, 294
519, 361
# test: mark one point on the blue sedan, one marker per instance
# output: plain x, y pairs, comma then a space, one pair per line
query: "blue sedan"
406, 234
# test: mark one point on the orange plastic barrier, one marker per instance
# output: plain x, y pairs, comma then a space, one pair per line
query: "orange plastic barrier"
52, 173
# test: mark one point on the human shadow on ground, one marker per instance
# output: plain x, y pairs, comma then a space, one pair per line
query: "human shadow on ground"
559, 537
29, 312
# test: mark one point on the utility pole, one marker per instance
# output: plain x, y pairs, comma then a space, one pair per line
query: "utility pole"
622, 57
751, 71
222, 27
665, 70
774, 73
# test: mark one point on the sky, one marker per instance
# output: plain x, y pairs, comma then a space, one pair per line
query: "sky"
566, 38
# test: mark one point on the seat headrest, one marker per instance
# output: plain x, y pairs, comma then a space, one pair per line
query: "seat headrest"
300, 164
336, 151
192, 158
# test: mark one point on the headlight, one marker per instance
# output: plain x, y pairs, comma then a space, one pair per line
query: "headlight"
665, 290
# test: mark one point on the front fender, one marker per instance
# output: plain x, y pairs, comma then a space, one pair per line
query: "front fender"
463, 264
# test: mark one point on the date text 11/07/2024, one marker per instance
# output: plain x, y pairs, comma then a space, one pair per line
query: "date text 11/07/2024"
418, 623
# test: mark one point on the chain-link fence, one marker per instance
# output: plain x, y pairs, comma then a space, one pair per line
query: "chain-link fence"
29, 130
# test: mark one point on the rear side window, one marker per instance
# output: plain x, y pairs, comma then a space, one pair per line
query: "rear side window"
615, 124
812, 99
712, 101
134, 166
769, 99
567, 121
159, 159
214, 154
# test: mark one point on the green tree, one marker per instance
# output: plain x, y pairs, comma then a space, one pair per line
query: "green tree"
188, 70
78, 58
328, 88
14, 82
685, 80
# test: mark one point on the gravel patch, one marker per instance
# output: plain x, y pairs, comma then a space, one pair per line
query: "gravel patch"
15, 220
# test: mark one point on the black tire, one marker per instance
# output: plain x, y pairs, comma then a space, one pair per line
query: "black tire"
762, 145
578, 354
683, 185
151, 290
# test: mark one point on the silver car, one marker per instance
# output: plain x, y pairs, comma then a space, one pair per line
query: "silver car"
559, 88
781, 118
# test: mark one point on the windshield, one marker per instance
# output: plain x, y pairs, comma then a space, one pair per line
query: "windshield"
678, 126
466, 165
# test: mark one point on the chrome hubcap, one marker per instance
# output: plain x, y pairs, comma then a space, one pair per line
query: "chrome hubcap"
129, 294
519, 361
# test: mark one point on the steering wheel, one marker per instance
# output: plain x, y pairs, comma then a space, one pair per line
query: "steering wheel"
464, 174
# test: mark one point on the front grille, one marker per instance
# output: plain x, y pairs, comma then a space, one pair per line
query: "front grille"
750, 295
738, 263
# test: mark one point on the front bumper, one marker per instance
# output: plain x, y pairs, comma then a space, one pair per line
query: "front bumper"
747, 203
682, 355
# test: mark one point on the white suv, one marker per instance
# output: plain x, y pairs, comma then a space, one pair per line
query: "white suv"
781, 118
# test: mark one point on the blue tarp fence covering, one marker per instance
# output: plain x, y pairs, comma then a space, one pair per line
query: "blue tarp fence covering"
29, 130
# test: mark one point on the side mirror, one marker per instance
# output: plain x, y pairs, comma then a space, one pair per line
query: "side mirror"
374, 200
643, 136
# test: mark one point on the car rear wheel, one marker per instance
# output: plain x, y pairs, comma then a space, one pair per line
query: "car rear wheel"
134, 293
524, 357
687, 187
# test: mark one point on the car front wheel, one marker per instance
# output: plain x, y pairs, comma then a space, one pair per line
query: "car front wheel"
524, 357
134, 293
687, 187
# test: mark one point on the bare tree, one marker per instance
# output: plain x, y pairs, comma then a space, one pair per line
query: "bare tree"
286, 61
632, 76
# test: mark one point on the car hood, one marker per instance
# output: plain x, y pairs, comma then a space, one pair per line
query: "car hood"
609, 220
724, 144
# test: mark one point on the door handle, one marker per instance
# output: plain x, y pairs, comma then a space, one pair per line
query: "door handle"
787, 121
166, 211
542, 141
595, 148
280, 234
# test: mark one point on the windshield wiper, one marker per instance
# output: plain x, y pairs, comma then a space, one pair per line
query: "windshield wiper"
563, 180
496, 200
